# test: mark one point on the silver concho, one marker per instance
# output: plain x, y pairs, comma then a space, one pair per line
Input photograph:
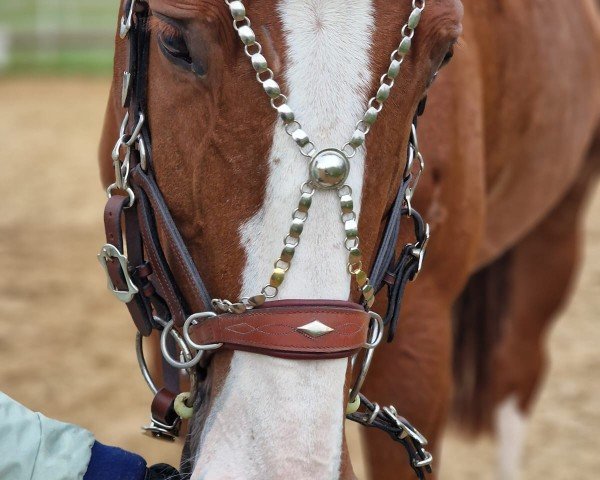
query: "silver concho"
329, 169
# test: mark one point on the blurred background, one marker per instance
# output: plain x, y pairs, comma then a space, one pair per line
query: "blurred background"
56, 36
66, 346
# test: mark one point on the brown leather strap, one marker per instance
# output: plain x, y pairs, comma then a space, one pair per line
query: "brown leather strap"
163, 407
290, 329
139, 307
155, 217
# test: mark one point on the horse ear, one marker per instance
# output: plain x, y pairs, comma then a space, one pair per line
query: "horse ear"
114, 112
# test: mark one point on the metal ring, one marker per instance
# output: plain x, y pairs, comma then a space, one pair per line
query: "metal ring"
344, 190
250, 54
186, 332
168, 330
114, 186
268, 288
307, 189
129, 191
245, 19
360, 379
139, 351
376, 328
349, 150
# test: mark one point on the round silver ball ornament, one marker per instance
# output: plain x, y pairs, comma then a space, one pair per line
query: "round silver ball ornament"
329, 169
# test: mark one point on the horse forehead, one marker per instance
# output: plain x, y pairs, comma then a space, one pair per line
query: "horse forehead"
445, 14
190, 9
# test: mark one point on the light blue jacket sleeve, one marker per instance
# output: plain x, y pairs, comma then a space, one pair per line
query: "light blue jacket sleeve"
33, 447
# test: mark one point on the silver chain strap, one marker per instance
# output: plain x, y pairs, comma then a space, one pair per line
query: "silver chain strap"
328, 168
265, 76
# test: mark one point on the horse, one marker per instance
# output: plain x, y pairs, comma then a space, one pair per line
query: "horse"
512, 141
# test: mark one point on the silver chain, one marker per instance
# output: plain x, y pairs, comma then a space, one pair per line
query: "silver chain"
325, 161
328, 170
266, 77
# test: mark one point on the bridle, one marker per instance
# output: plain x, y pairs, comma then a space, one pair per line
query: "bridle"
193, 324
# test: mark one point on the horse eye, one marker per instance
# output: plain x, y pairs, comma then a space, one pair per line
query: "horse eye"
175, 49
449, 55
445, 61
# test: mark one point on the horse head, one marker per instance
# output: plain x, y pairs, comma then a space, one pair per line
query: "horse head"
232, 156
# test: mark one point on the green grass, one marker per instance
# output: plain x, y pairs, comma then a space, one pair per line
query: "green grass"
25, 17
65, 62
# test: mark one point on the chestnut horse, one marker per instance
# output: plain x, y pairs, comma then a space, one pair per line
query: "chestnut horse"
512, 139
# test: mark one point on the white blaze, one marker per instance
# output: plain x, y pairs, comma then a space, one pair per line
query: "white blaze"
281, 418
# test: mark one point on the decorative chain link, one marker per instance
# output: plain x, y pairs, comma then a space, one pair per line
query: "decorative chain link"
266, 77
352, 243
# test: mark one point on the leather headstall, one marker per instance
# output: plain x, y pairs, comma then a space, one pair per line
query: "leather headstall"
140, 269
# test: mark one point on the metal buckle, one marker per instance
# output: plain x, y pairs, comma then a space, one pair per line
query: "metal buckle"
109, 253
161, 431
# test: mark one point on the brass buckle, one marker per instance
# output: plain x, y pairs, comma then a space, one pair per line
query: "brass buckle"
109, 253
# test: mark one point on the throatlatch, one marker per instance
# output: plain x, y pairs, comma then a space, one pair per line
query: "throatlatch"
193, 324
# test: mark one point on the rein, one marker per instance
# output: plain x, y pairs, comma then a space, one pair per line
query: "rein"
193, 324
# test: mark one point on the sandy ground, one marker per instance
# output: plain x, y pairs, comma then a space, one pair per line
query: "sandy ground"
66, 346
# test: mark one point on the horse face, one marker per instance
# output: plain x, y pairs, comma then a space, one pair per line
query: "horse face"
231, 177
